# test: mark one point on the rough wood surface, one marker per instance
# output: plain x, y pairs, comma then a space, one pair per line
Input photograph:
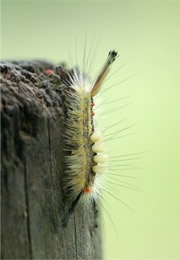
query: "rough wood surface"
32, 121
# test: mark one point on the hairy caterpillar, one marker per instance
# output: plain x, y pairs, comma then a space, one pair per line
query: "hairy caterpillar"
73, 165
85, 159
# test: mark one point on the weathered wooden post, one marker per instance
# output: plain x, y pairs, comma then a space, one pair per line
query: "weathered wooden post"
32, 121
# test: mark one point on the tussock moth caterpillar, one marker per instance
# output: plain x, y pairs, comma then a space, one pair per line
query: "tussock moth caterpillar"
85, 153
77, 151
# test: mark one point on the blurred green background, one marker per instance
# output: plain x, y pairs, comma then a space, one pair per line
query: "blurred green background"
147, 37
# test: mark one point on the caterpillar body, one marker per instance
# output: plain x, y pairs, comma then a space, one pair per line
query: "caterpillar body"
85, 154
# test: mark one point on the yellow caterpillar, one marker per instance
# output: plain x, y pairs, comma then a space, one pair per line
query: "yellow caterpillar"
85, 153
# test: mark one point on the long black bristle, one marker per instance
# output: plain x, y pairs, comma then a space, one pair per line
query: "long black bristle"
71, 210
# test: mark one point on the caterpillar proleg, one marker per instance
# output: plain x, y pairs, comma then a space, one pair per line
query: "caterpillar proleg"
85, 153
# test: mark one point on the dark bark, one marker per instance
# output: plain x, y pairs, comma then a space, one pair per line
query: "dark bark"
32, 121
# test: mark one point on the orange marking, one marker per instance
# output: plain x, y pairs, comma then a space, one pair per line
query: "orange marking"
93, 104
48, 72
93, 114
88, 189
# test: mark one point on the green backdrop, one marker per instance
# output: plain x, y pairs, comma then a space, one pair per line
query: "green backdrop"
147, 37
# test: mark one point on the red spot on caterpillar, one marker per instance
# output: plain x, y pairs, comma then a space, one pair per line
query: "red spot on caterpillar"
93, 114
48, 72
93, 104
88, 189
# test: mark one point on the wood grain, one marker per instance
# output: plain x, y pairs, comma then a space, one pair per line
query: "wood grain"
32, 123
